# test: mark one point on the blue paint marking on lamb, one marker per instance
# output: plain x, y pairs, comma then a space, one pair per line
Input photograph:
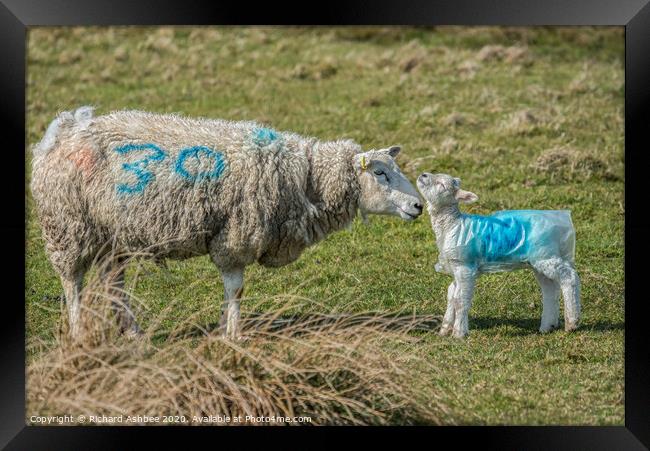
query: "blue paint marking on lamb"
493, 238
515, 236
139, 167
200, 153
265, 136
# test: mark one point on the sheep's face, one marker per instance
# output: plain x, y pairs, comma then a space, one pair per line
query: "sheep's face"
442, 190
384, 189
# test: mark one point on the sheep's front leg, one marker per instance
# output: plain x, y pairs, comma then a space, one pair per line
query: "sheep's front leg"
233, 286
465, 280
448, 319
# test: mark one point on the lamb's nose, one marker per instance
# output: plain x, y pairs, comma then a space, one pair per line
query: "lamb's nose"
419, 207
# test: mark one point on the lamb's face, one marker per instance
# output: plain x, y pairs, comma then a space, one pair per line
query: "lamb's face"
442, 190
384, 189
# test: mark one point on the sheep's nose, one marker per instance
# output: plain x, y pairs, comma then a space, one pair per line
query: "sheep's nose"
418, 206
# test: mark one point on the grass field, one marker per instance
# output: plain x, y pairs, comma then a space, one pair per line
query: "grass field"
528, 118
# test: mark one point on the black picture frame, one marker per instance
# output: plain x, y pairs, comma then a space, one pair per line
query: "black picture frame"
16, 16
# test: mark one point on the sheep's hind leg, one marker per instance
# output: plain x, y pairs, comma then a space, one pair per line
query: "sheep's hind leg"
233, 285
550, 302
114, 277
448, 319
72, 289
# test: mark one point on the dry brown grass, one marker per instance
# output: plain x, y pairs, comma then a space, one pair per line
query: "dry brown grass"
568, 164
354, 369
522, 122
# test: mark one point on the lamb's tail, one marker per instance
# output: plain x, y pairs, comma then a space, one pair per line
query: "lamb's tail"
64, 119
571, 238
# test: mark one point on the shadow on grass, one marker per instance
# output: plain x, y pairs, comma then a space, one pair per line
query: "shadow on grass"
298, 324
530, 326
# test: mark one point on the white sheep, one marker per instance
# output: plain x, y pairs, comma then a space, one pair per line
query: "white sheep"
469, 245
179, 187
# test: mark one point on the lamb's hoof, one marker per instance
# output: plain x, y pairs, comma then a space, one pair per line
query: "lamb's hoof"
547, 329
444, 331
459, 334
570, 327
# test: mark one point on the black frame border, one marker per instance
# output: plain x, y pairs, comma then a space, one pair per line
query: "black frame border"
17, 16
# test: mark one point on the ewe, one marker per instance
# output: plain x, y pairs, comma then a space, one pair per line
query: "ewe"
179, 187
469, 245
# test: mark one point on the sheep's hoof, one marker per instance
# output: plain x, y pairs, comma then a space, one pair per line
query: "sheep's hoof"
234, 337
133, 333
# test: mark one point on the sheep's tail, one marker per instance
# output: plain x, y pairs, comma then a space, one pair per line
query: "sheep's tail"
63, 120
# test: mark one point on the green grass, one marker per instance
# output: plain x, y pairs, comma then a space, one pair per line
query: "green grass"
453, 106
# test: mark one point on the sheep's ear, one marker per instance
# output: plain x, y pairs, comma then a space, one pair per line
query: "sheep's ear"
362, 161
466, 197
393, 151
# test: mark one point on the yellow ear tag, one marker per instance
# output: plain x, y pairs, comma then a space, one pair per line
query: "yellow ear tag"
363, 163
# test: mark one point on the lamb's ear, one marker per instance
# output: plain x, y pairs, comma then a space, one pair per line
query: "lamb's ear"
466, 197
393, 151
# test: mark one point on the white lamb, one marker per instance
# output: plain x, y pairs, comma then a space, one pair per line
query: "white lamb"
470, 245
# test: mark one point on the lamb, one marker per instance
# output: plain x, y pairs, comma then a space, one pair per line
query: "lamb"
179, 187
470, 245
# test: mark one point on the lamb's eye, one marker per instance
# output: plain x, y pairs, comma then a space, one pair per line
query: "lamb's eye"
379, 172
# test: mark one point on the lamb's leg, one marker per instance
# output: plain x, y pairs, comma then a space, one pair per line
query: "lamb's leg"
465, 280
233, 285
563, 273
550, 301
570, 285
72, 289
114, 276
448, 319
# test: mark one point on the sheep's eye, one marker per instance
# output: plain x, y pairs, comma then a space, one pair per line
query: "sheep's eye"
379, 172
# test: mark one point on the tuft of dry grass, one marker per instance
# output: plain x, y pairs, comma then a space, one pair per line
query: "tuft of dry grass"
522, 122
317, 71
511, 55
563, 163
455, 120
332, 369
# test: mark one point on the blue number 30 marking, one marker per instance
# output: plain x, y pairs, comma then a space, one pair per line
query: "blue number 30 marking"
139, 167
196, 152
156, 154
